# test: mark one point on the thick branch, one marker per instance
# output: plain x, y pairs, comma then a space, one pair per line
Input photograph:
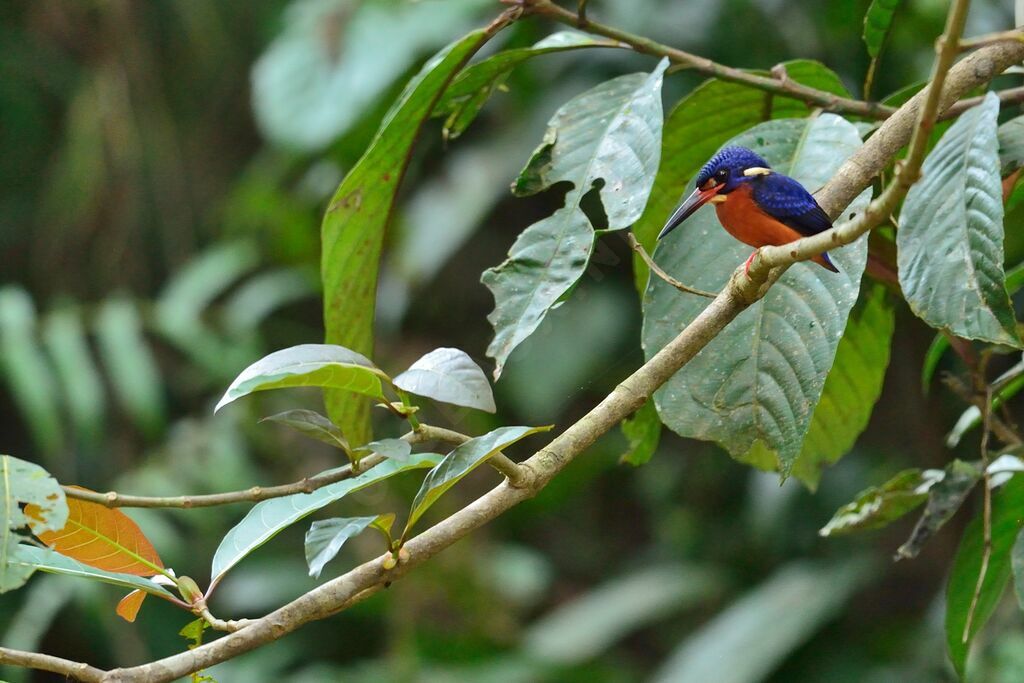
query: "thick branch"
78, 671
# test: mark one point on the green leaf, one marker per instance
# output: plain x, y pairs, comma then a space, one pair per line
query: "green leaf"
65, 340
268, 518
761, 380
468, 93
877, 506
607, 139
23, 483
851, 388
353, 228
393, 449
877, 22
309, 365
133, 372
31, 558
1007, 519
750, 638
326, 536
449, 376
950, 241
1011, 145
703, 121
944, 499
643, 432
936, 350
25, 368
1017, 564
312, 424
460, 462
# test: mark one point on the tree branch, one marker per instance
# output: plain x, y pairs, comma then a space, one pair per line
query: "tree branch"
79, 671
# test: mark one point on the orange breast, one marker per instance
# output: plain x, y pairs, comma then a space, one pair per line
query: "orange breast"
742, 219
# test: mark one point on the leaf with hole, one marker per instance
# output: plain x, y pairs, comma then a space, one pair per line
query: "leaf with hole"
877, 506
606, 140
312, 424
21, 484
309, 365
754, 389
950, 241
449, 376
460, 462
326, 537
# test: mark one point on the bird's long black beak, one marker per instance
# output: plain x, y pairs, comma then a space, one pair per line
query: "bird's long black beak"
697, 199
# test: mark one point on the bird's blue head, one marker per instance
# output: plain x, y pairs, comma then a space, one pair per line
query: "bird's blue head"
723, 173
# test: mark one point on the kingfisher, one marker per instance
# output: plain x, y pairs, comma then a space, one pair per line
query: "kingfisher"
756, 205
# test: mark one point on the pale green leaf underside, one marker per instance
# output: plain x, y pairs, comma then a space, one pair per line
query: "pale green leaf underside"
268, 518
326, 537
950, 241
450, 376
762, 378
31, 558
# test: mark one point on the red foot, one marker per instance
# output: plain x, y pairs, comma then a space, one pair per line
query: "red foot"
746, 266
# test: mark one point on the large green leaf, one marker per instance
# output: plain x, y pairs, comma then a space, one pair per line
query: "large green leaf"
309, 365
701, 123
607, 138
449, 376
468, 93
750, 638
877, 22
761, 379
877, 506
852, 387
31, 558
1007, 519
327, 68
23, 483
950, 241
268, 518
460, 462
354, 225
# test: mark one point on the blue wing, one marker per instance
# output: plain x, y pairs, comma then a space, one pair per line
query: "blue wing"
786, 200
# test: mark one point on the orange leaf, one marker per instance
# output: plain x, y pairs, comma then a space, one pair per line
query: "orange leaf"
104, 538
130, 604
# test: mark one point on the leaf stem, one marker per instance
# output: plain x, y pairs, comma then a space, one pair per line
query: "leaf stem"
986, 519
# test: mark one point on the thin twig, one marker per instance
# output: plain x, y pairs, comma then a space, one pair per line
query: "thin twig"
990, 39
986, 516
657, 270
581, 13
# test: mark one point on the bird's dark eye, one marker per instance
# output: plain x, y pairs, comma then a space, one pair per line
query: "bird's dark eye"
722, 174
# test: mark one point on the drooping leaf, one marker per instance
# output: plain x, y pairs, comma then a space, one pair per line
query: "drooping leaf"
877, 22
751, 637
1011, 145
852, 387
950, 241
24, 483
392, 449
471, 89
309, 365
128, 607
101, 537
65, 340
449, 376
326, 537
358, 214
327, 67
944, 499
703, 121
1007, 519
761, 380
312, 424
643, 432
460, 462
611, 134
33, 558
268, 518
130, 365
877, 506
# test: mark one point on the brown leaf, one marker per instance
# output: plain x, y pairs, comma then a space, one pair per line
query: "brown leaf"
130, 604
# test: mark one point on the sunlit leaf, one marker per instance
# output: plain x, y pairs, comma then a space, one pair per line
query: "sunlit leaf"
309, 365
611, 134
879, 505
944, 499
449, 376
1007, 519
128, 607
101, 537
268, 518
877, 22
703, 121
358, 214
47, 560
760, 381
643, 432
326, 537
23, 483
460, 462
950, 241
312, 424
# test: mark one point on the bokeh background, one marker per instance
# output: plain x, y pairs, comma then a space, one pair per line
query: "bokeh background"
164, 165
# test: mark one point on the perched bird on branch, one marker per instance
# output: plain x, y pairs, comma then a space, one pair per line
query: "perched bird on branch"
755, 204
